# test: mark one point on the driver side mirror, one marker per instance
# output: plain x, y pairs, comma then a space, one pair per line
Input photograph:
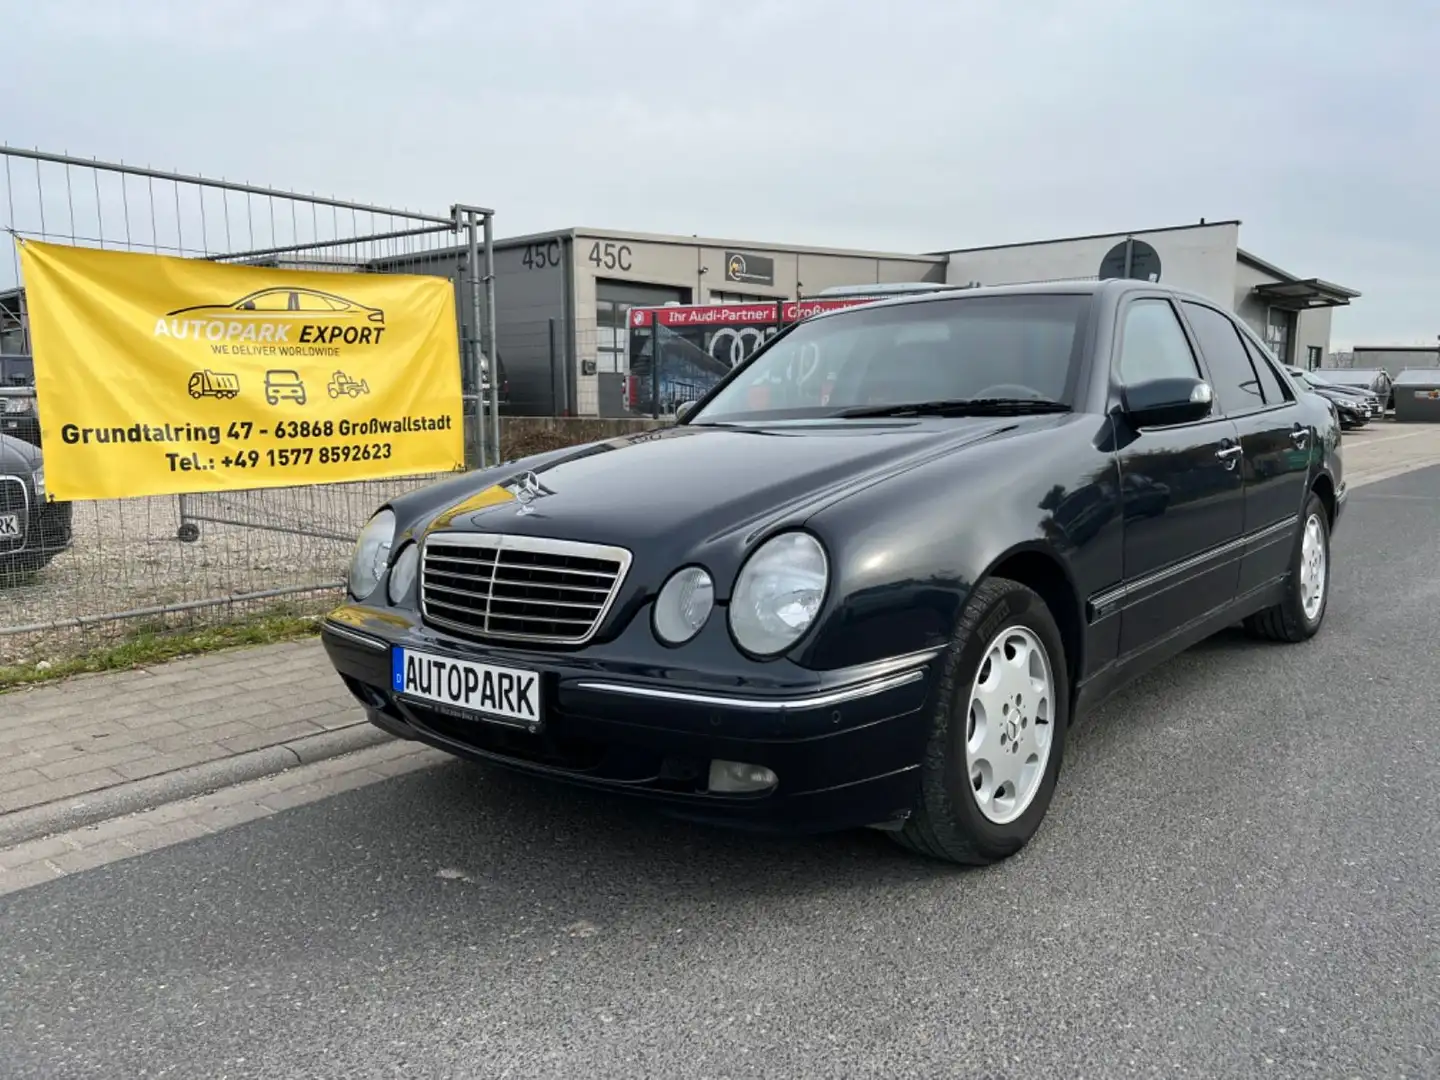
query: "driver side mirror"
683, 409
1161, 402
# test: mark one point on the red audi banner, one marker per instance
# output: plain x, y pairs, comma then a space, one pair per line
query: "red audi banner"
740, 314
705, 315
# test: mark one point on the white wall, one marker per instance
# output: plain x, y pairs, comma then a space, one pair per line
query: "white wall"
1199, 258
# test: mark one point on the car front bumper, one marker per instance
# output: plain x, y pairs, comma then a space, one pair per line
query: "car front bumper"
846, 748
46, 526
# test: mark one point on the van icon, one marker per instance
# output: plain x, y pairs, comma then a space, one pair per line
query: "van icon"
282, 385
216, 384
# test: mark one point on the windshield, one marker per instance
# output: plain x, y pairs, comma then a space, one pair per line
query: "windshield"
957, 349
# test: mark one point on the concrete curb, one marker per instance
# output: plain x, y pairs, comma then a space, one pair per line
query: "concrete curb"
77, 811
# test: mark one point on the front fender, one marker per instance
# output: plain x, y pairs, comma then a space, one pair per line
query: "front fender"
905, 554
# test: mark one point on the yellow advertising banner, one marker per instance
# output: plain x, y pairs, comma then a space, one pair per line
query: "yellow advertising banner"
158, 375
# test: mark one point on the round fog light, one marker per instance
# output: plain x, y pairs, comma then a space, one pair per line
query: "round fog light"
735, 777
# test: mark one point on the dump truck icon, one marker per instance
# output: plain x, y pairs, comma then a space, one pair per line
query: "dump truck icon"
341, 383
216, 384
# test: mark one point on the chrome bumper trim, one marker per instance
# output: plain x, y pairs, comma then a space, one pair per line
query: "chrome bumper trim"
822, 700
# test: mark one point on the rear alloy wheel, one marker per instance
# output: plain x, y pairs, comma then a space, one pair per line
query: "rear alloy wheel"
998, 733
1307, 592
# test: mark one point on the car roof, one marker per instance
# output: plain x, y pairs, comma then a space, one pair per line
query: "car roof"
1100, 288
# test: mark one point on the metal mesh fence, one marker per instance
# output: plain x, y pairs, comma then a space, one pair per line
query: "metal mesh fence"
165, 562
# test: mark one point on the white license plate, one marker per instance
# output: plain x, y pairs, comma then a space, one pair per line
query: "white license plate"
9, 525
466, 689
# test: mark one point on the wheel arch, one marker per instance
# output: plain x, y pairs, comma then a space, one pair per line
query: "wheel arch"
1324, 487
1040, 568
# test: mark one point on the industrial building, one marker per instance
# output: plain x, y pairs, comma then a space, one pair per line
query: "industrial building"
1393, 358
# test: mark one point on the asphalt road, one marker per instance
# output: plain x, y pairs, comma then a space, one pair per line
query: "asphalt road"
1238, 878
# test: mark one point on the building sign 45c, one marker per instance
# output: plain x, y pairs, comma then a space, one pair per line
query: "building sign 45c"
611, 256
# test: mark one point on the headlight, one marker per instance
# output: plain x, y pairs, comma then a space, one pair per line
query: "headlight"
39, 477
372, 553
683, 605
402, 574
778, 593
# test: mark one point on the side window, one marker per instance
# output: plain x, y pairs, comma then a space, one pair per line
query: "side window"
1153, 345
1270, 384
1237, 387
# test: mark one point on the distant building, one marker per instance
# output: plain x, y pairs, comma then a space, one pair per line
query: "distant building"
1393, 358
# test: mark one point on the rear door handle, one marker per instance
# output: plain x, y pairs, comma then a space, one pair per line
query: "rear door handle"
1300, 435
1228, 454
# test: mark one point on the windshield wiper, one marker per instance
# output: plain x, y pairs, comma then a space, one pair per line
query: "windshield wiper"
959, 407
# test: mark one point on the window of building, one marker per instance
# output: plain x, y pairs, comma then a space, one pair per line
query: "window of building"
1154, 346
611, 331
1313, 357
1237, 387
717, 297
1277, 333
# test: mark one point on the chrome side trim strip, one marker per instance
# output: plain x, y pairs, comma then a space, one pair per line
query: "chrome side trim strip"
1111, 596
822, 700
365, 641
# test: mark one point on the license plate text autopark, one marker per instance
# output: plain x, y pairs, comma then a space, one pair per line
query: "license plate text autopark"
9, 525
462, 686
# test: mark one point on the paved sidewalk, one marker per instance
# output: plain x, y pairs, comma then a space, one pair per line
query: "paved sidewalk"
96, 732
1379, 451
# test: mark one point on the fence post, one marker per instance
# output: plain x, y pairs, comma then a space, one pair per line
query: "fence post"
477, 376
491, 348
556, 405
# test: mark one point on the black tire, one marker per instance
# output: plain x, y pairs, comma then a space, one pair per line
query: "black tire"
1287, 621
948, 823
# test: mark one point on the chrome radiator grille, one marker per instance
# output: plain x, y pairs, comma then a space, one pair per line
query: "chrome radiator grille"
519, 588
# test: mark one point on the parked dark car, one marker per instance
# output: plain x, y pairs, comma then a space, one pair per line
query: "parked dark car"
32, 530
19, 417
869, 590
1371, 404
1354, 408
1376, 381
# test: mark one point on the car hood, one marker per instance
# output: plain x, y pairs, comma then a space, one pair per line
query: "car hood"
690, 484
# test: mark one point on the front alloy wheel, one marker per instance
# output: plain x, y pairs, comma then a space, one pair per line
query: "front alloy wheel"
998, 733
1008, 745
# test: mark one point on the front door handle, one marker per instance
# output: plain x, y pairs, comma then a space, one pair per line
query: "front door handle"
1229, 455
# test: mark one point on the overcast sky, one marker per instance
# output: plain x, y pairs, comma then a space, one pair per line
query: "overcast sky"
907, 125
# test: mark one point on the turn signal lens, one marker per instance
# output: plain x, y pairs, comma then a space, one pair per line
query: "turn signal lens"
683, 605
